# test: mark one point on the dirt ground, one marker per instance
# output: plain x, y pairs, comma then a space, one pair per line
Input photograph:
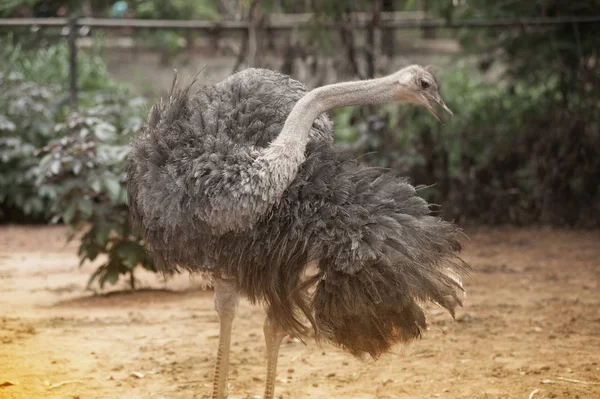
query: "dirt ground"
530, 328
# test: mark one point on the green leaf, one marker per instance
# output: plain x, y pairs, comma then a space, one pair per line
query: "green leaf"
85, 207
55, 167
102, 280
105, 131
94, 276
91, 251
131, 255
409, 5
102, 232
114, 187
96, 186
69, 214
112, 276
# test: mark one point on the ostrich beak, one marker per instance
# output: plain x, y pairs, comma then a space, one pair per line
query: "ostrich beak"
438, 100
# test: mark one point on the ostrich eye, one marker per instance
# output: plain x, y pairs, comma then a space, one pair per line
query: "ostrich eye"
424, 84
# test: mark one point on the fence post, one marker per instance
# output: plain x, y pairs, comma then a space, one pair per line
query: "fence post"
427, 32
73, 61
214, 35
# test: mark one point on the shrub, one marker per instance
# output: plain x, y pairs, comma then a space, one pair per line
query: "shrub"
32, 100
84, 170
68, 167
27, 113
50, 66
512, 153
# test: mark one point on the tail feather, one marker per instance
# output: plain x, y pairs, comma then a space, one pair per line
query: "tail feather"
382, 255
365, 314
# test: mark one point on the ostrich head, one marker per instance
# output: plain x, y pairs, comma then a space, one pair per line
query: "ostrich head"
414, 84
419, 85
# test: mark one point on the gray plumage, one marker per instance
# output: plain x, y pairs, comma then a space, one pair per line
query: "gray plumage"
195, 192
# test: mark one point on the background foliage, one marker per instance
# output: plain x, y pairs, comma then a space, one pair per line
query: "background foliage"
68, 167
521, 149
84, 170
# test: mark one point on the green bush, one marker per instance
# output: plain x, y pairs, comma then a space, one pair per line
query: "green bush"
32, 100
512, 153
27, 114
50, 65
84, 170
69, 167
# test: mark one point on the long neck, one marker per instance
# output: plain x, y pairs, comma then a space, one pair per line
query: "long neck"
297, 126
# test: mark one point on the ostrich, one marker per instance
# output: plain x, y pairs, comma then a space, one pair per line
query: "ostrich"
241, 181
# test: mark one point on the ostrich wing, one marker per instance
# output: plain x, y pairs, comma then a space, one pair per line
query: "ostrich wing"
198, 164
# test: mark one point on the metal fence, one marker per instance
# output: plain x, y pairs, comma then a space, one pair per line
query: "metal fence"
394, 20
298, 21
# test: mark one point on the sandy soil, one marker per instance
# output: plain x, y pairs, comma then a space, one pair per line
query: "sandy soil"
530, 328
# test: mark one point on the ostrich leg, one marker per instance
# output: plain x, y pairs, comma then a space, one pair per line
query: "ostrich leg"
226, 301
273, 337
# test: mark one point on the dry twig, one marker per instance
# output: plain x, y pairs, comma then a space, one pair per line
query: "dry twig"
577, 381
60, 384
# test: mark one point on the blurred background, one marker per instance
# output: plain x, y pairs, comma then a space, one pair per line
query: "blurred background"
523, 78
518, 167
